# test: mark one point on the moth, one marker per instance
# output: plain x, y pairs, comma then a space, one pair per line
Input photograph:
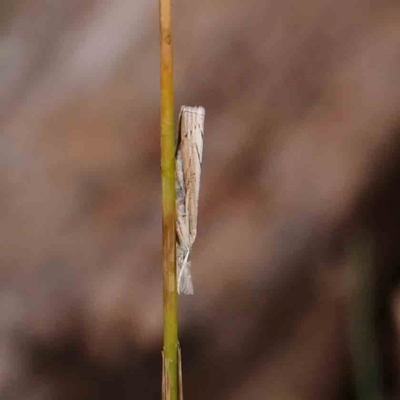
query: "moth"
188, 158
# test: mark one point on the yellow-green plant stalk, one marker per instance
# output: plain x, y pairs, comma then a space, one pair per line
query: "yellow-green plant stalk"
170, 350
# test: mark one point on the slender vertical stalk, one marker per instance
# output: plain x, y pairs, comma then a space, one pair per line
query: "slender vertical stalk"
363, 340
170, 352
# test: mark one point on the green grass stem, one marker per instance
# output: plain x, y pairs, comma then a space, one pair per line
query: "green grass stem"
170, 349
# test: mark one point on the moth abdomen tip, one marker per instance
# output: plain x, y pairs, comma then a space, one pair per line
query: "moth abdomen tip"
193, 109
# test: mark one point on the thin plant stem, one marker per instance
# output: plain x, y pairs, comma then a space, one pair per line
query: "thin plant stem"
170, 350
363, 341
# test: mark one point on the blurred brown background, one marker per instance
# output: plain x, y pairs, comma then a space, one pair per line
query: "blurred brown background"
296, 264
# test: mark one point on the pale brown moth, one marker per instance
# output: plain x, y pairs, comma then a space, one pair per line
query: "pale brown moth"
189, 154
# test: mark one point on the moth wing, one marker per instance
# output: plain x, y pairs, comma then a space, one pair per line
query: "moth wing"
182, 220
192, 153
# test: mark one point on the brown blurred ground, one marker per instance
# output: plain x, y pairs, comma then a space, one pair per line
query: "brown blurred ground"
301, 158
